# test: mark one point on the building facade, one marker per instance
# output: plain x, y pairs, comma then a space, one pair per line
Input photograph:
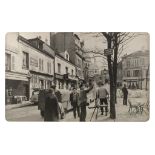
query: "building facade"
135, 69
65, 72
70, 42
16, 77
29, 65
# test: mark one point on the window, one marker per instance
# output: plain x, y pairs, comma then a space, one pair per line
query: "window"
49, 67
13, 63
25, 60
41, 65
128, 63
59, 68
128, 73
66, 70
7, 61
67, 57
72, 72
136, 73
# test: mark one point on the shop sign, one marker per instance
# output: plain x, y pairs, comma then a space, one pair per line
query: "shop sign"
33, 62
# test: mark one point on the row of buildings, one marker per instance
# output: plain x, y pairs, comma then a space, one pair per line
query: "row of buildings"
32, 64
35, 63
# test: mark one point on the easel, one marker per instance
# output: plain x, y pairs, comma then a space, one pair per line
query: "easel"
96, 109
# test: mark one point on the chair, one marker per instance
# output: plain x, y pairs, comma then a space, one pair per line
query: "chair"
133, 107
145, 107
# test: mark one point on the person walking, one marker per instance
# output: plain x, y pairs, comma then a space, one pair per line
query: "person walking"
125, 94
83, 101
74, 102
51, 106
102, 95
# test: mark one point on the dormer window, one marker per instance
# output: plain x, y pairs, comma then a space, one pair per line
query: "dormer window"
66, 55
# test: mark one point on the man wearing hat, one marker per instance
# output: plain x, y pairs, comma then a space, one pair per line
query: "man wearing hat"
74, 102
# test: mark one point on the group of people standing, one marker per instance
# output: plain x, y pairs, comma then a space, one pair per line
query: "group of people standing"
79, 101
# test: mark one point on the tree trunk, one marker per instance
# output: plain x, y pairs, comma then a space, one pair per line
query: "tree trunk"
112, 90
115, 64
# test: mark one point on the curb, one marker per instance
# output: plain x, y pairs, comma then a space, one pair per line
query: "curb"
13, 106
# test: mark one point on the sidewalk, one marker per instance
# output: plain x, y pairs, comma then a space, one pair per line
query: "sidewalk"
13, 106
122, 115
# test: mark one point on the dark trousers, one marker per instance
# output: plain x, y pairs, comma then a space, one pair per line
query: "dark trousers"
125, 100
83, 113
42, 113
106, 103
76, 109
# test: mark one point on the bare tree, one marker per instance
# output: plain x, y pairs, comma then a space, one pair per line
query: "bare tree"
118, 42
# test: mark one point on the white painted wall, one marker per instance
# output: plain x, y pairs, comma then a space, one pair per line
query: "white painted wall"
64, 64
16, 49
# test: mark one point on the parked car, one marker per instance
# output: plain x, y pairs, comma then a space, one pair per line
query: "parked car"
34, 97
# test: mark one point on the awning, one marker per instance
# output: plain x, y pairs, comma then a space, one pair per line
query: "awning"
15, 76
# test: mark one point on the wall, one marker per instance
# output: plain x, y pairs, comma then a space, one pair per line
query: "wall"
64, 64
34, 56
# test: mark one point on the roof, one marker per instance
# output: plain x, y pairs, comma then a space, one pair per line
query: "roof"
60, 56
28, 41
137, 53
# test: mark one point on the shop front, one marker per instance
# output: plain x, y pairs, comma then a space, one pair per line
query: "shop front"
59, 81
40, 81
17, 87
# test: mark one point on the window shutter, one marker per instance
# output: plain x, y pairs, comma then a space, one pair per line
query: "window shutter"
13, 63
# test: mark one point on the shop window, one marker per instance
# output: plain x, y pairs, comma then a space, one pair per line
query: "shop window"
25, 60
59, 85
41, 84
62, 86
66, 85
7, 62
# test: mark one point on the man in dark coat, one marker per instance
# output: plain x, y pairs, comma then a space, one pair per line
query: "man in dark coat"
74, 102
83, 101
125, 94
51, 107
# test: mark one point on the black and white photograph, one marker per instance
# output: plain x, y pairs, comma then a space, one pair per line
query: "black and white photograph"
77, 76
